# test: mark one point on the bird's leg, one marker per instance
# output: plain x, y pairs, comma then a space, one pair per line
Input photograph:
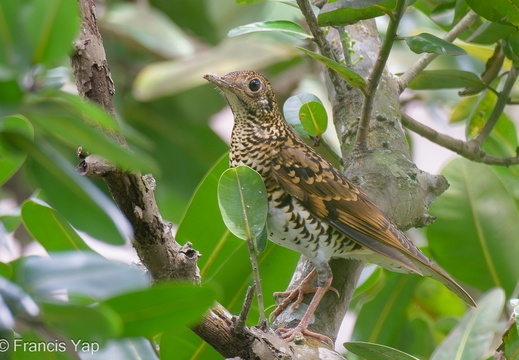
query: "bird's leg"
299, 292
302, 327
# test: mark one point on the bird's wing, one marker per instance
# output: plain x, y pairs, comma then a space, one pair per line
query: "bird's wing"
327, 194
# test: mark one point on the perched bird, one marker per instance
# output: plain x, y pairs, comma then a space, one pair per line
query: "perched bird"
313, 208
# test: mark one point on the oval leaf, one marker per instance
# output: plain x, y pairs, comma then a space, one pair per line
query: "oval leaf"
472, 336
291, 110
163, 307
345, 12
350, 76
313, 118
83, 273
429, 43
11, 159
446, 79
376, 352
50, 228
282, 26
242, 198
500, 11
51, 26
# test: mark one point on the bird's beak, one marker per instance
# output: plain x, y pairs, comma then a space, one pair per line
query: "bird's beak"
218, 81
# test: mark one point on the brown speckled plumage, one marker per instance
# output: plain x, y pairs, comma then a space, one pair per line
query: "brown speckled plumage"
313, 208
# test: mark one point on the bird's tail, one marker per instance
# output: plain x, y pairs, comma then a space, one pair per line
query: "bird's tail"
434, 271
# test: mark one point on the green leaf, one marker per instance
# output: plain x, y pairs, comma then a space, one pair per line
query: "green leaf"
242, 198
291, 109
13, 301
91, 211
472, 336
313, 118
376, 352
82, 273
500, 11
446, 79
383, 320
51, 27
478, 222
148, 27
50, 228
248, 2
282, 26
12, 47
66, 124
11, 158
429, 43
479, 114
163, 307
124, 349
345, 12
350, 76
87, 324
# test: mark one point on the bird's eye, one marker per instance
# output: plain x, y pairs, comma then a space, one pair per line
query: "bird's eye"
254, 85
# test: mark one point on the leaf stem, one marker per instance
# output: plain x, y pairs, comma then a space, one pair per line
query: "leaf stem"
376, 73
257, 282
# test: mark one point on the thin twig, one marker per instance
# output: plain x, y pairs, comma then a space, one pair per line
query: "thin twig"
426, 59
468, 149
502, 100
322, 43
346, 44
257, 282
247, 304
376, 73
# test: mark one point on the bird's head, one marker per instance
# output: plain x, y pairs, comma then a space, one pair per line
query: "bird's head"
248, 93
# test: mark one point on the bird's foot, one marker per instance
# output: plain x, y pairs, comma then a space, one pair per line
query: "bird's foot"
298, 294
291, 334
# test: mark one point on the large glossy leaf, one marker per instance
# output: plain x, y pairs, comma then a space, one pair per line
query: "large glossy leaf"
472, 336
383, 320
82, 273
91, 210
350, 76
163, 307
429, 43
475, 235
63, 117
500, 11
446, 79
345, 12
282, 26
242, 198
13, 301
50, 228
123, 349
376, 352
10, 158
80, 322
148, 27
51, 26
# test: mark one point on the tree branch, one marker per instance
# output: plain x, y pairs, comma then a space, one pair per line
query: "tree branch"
376, 73
134, 194
324, 46
468, 149
426, 59
502, 100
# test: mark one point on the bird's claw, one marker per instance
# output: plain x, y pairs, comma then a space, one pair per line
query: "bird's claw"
290, 334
